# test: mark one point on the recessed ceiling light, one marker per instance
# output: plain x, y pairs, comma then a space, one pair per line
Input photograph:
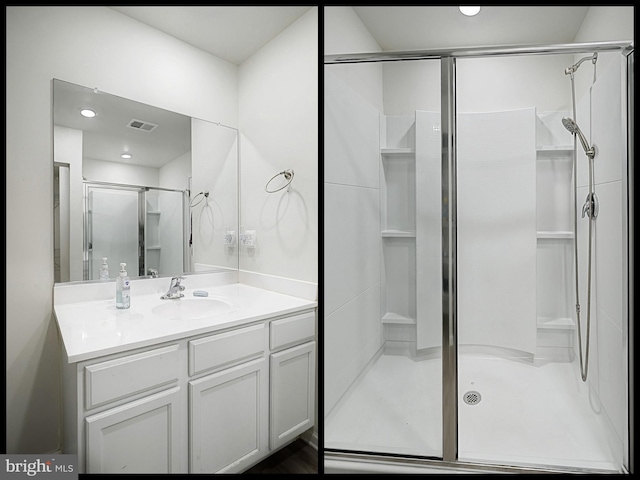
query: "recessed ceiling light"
126, 155
469, 11
87, 112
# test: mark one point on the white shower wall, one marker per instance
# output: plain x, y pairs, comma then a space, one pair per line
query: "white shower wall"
599, 116
352, 329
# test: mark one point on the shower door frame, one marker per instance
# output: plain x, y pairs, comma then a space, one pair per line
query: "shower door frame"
142, 224
447, 57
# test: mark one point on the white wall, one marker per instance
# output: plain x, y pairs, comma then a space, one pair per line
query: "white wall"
176, 173
353, 101
344, 32
214, 154
279, 131
598, 118
114, 172
89, 46
599, 115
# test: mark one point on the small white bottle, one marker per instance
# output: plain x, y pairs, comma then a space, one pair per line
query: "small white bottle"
104, 270
123, 289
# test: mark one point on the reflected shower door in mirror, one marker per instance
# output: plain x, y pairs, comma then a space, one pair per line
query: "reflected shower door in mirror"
142, 227
169, 179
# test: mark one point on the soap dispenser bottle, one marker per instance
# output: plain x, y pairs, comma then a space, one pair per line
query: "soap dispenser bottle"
104, 270
123, 288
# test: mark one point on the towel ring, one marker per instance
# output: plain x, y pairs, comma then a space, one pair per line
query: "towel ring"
288, 175
205, 194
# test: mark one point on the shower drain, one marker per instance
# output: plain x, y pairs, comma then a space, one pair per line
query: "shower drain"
472, 398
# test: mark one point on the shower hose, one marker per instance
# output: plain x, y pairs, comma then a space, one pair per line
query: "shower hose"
584, 362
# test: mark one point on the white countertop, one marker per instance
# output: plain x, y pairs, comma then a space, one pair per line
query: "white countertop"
94, 328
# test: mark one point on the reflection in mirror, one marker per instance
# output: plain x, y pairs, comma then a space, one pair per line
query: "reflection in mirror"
140, 185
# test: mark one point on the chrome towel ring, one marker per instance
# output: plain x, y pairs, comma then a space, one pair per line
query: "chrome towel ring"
288, 175
205, 194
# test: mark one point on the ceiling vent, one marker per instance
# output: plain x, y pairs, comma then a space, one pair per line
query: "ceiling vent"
141, 125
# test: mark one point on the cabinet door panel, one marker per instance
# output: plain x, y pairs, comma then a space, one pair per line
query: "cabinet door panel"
137, 437
292, 393
229, 418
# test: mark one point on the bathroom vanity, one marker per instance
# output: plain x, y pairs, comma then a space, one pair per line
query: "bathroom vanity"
193, 385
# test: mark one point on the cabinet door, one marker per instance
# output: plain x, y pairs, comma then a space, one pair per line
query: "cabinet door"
137, 437
292, 393
229, 418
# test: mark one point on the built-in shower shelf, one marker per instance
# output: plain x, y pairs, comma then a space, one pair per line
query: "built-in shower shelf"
153, 247
397, 151
561, 323
151, 212
394, 318
554, 148
398, 234
560, 234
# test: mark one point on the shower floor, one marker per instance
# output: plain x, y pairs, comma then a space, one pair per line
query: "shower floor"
528, 414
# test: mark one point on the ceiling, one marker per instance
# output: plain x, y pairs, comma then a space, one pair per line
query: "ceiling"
418, 28
108, 135
230, 33
236, 33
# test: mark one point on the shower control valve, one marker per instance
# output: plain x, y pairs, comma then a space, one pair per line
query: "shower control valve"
590, 207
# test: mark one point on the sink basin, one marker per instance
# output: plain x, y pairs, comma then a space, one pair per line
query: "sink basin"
191, 308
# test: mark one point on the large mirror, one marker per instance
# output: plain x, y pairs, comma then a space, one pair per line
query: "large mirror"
140, 185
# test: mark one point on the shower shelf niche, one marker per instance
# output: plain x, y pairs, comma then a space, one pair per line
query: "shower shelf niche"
398, 226
542, 149
398, 319
560, 323
390, 152
551, 235
398, 234
554, 238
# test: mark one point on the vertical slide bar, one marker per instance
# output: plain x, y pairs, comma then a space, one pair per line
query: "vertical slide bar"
449, 304
630, 460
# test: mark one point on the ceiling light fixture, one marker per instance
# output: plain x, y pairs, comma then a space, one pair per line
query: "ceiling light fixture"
87, 112
469, 11
126, 155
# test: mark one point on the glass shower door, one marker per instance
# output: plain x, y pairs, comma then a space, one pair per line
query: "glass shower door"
383, 261
522, 400
164, 239
112, 230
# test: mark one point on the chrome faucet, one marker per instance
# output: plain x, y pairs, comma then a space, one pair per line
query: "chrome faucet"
175, 289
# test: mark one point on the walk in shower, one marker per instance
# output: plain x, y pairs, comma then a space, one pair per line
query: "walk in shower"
453, 333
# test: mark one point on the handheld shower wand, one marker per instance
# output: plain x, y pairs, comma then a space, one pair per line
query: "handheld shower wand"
572, 126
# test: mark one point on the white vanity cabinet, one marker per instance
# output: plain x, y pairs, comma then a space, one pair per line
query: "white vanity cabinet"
125, 413
217, 402
293, 356
228, 409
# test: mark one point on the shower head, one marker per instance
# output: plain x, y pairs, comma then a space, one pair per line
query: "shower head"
574, 67
572, 126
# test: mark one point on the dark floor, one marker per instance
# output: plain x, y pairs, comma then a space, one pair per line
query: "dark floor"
297, 457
